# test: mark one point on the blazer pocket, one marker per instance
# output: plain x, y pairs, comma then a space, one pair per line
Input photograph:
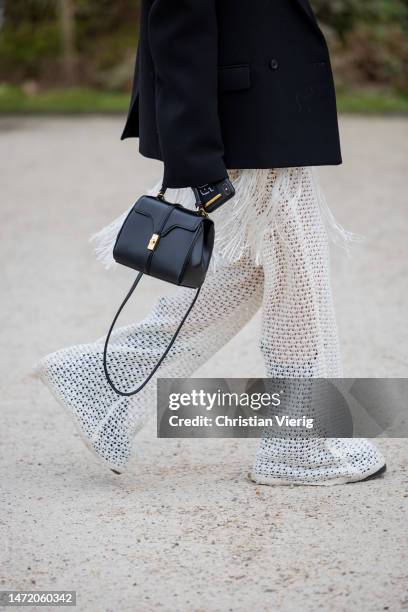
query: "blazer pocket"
234, 78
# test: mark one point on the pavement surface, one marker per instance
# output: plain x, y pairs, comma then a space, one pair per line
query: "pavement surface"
184, 530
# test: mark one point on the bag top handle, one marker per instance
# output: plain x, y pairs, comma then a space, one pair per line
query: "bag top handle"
200, 209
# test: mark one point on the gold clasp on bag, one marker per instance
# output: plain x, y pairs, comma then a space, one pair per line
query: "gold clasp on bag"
202, 212
153, 242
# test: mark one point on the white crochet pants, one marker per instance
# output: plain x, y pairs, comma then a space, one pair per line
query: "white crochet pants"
290, 281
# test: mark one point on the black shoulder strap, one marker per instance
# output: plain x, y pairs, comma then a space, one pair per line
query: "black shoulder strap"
160, 361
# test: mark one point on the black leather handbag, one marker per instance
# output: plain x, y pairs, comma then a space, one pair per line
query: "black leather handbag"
166, 241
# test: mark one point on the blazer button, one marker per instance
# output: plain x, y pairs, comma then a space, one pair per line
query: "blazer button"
274, 64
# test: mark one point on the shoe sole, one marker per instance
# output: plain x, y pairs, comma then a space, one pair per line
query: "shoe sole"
376, 474
334, 481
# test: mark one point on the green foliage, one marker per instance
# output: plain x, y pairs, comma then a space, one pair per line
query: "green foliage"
367, 103
74, 100
29, 11
105, 37
368, 39
24, 48
343, 15
84, 100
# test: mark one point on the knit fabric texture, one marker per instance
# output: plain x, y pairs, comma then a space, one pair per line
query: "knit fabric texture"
271, 251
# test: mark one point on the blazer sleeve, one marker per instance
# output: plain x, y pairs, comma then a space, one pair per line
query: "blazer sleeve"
183, 37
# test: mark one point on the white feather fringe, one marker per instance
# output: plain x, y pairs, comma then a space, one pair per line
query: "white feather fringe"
265, 200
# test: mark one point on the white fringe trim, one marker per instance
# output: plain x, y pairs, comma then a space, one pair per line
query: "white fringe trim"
242, 224
338, 234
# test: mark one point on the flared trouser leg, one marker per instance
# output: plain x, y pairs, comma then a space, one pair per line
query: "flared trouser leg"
299, 339
228, 300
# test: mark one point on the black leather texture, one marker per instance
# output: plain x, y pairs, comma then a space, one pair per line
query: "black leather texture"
183, 238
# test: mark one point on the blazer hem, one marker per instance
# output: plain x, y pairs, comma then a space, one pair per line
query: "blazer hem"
264, 164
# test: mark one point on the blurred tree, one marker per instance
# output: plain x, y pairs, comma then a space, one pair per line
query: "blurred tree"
1, 13
94, 41
67, 25
343, 15
369, 41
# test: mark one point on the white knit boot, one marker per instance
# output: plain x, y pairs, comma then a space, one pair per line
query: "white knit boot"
315, 461
76, 379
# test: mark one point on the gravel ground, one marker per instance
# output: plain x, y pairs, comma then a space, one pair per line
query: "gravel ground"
184, 530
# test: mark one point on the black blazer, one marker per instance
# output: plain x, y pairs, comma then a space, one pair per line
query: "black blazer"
232, 84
